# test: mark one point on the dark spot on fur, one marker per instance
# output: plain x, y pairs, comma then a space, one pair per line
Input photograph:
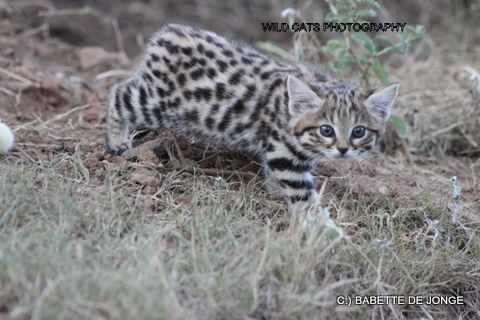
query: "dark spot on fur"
220, 91
222, 65
202, 93
192, 116
211, 73
157, 73
246, 60
181, 79
235, 77
187, 94
209, 123
197, 73
210, 54
187, 51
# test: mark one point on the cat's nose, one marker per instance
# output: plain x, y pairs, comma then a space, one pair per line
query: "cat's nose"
342, 150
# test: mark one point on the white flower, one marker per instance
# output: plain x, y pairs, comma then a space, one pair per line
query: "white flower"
6, 138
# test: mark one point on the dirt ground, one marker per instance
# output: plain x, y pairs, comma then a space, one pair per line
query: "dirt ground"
52, 94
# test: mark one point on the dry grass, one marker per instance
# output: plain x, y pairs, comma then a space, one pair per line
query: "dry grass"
441, 103
73, 250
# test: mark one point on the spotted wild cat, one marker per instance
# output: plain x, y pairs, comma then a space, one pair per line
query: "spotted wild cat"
287, 115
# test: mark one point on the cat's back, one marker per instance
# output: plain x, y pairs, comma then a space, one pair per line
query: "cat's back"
181, 40
202, 56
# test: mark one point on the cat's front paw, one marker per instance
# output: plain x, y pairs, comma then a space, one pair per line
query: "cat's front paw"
318, 228
117, 146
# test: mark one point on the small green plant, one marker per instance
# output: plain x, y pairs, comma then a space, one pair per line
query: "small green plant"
344, 51
357, 48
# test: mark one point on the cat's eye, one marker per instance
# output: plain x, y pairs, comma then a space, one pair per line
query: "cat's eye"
358, 132
327, 131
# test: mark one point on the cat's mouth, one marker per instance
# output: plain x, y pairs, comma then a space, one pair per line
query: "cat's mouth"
341, 157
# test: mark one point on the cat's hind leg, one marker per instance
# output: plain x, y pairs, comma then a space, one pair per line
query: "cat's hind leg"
118, 124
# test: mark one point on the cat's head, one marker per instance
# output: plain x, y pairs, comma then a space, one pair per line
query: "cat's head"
338, 121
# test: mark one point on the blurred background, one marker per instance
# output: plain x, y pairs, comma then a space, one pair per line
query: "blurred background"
444, 20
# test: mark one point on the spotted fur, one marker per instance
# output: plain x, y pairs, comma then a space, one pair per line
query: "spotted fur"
214, 89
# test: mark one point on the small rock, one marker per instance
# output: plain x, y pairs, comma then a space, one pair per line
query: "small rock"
103, 174
94, 56
145, 180
383, 190
8, 42
91, 114
148, 156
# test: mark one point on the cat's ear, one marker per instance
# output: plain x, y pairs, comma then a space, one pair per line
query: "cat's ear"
300, 97
381, 100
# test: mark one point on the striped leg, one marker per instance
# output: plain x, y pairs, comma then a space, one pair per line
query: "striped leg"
293, 181
118, 129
